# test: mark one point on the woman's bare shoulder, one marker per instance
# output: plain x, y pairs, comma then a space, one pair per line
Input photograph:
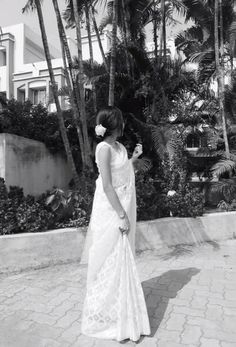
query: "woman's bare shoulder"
103, 148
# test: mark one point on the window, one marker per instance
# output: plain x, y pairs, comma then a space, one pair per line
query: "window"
21, 95
39, 96
193, 141
2, 57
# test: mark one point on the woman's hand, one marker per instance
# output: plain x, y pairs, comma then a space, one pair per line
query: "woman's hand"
124, 225
137, 151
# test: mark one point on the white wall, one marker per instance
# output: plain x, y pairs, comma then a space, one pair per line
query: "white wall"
18, 32
96, 50
28, 164
24, 51
34, 47
3, 78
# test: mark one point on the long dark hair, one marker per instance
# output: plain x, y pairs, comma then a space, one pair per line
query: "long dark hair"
111, 118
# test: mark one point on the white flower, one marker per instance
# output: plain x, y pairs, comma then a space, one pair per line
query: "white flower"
100, 130
171, 193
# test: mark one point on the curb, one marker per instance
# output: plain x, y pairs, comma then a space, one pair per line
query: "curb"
27, 251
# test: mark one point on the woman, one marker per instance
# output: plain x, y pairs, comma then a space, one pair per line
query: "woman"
114, 306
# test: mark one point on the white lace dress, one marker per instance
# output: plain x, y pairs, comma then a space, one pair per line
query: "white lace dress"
114, 306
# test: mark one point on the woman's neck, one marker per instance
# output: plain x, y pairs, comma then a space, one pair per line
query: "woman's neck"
111, 140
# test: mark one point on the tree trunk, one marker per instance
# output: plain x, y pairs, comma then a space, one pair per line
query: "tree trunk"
64, 47
219, 70
161, 31
88, 28
113, 55
164, 30
55, 95
99, 40
155, 36
81, 87
126, 37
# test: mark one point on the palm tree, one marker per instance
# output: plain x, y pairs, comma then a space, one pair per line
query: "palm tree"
205, 43
159, 12
99, 38
32, 5
220, 70
88, 27
72, 90
81, 82
155, 20
69, 17
113, 54
126, 36
163, 32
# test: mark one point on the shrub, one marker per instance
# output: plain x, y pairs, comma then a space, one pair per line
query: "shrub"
187, 202
151, 203
34, 217
29, 214
226, 206
3, 189
23, 214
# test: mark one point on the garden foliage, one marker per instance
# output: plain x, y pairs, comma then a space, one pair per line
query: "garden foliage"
19, 213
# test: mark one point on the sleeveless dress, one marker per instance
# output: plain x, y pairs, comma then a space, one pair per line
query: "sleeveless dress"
114, 306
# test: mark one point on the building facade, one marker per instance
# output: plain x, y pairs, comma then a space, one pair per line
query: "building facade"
23, 70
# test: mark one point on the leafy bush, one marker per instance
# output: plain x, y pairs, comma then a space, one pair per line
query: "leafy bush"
20, 214
23, 214
187, 202
72, 208
153, 200
3, 189
34, 122
151, 204
34, 217
227, 206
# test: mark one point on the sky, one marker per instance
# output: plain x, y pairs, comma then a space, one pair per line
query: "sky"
11, 13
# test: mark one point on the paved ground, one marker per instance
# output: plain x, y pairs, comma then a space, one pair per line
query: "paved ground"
190, 294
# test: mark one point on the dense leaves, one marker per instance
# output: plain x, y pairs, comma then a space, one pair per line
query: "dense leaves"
19, 213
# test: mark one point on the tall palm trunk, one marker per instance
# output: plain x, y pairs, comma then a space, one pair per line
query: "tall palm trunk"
99, 40
164, 30
113, 54
219, 70
126, 36
81, 86
161, 31
55, 95
72, 92
88, 28
155, 34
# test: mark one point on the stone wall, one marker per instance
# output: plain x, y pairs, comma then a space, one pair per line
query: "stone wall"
28, 164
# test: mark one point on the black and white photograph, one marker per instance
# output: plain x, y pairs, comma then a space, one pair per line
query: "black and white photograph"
117, 173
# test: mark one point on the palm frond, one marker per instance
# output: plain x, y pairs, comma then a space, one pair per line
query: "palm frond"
226, 188
143, 164
223, 166
232, 37
198, 57
166, 140
106, 20
140, 57
30, 6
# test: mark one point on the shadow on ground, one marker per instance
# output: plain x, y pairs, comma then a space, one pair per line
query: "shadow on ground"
159, 290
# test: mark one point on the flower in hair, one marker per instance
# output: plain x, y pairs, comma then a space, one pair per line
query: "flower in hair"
100, 130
